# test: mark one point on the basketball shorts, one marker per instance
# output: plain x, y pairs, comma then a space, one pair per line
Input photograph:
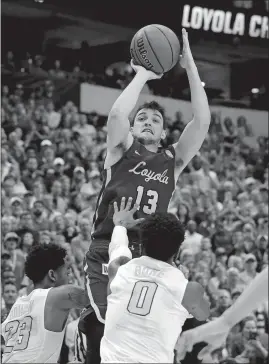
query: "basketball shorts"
96, 279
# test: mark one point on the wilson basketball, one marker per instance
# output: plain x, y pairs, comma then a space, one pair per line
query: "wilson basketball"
156, 48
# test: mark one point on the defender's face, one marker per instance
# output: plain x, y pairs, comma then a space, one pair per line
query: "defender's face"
148, 126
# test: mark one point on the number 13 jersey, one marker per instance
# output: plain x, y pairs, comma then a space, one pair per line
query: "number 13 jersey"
145, 176
144, 313
24, 333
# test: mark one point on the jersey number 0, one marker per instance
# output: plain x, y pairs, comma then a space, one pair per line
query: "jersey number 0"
142, 297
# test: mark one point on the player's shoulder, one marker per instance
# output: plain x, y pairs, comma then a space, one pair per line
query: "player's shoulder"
128, 268
175, 274
175, 281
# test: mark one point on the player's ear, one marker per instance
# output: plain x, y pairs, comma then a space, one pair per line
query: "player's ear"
131, 129
51, 275
163, 135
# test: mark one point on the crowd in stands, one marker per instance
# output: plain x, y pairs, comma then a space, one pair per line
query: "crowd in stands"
117, 75
51, 163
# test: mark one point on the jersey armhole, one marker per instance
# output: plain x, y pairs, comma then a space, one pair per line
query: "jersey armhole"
123, 155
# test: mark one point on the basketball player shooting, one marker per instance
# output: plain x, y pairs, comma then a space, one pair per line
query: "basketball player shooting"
134, 167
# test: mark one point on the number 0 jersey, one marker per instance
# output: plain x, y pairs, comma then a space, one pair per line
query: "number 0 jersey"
145, 176
144, 315
24, 333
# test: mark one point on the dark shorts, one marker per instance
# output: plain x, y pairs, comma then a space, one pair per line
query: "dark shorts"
96, 279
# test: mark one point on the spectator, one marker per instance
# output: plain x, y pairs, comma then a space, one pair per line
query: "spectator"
57, 72
223, 302
11, 244
233, 279
26, 226
81, 243
193, 239
30, 173
10, 295
219, 279
53, 116
39, 214
16, 205
249, 272
239, 342
221, 256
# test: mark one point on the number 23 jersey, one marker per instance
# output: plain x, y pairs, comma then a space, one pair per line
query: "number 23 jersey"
24, 333
145, 176
144, 315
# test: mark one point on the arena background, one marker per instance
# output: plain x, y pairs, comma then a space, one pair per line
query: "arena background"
63, 65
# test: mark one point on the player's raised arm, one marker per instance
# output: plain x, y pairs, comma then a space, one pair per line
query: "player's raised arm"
118, 125
195, 132
119, 253
67, 297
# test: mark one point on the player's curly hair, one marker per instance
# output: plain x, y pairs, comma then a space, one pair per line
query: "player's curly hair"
161, 235
41, 259
153, 105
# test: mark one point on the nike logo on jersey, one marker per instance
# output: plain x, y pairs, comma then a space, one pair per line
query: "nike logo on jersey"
149, 174
136, 152
169, 154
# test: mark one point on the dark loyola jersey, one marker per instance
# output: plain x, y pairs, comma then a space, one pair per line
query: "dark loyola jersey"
145, 176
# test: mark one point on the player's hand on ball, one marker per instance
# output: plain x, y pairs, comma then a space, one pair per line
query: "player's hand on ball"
125, 215
150, 75
186, 59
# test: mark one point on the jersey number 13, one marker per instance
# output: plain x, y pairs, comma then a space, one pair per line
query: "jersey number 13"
142, 298
153, 196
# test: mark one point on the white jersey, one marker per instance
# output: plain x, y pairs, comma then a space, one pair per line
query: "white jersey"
26, 339
144, 315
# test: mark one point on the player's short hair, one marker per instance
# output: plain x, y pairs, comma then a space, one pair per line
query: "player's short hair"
152, 105
161, 235
41, 259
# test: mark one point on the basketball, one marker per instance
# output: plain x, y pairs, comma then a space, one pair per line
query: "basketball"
156, 48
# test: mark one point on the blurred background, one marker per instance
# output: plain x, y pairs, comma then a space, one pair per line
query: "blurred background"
96, 35
63, 65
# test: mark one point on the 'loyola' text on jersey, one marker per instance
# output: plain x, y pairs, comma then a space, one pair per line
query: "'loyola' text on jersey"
150, 175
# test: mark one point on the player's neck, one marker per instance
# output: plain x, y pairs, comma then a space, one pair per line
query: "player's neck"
42, 285
151, 147
170, 261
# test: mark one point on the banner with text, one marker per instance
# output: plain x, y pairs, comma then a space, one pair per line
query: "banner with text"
237, 22
100, 99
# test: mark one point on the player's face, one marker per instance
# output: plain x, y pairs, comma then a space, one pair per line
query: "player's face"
148, 126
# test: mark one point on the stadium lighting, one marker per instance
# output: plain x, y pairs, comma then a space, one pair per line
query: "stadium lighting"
255, 90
